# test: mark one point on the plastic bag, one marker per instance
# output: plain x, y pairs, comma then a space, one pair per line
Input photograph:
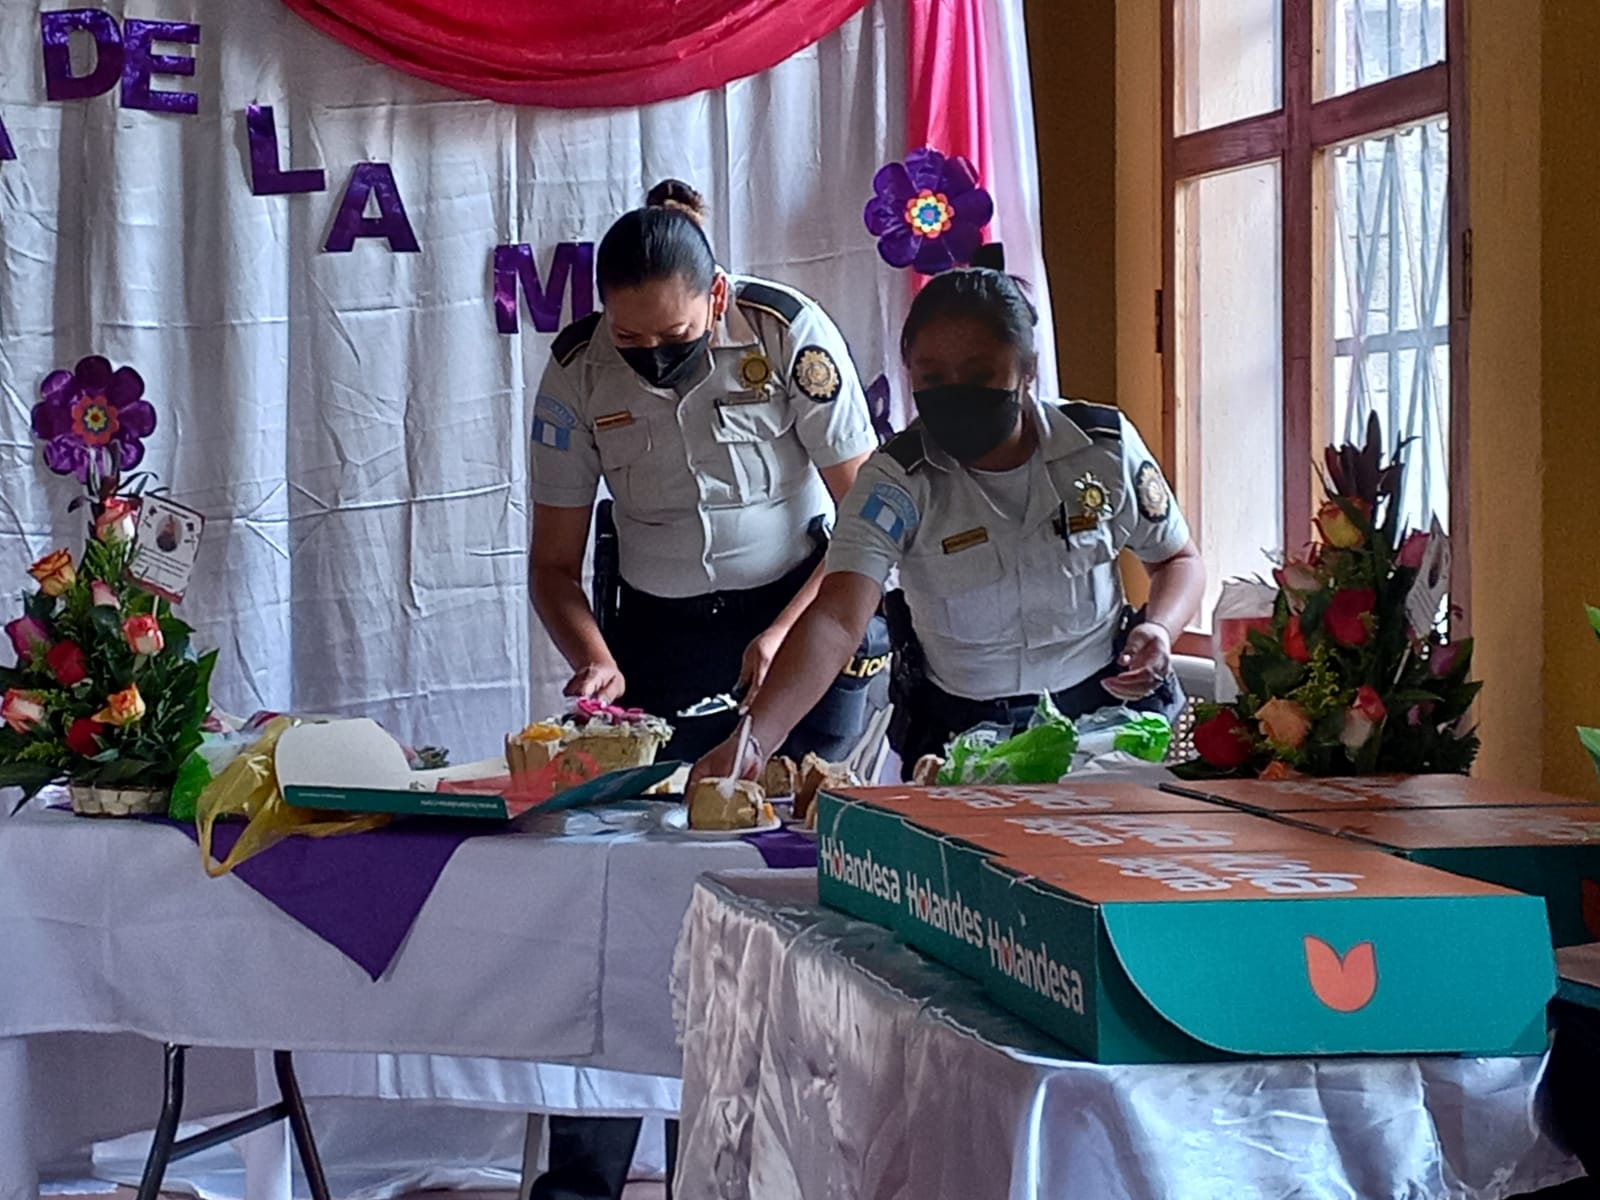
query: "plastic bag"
1143, 735
196, 772
248, 787
1041, 754
1245, 604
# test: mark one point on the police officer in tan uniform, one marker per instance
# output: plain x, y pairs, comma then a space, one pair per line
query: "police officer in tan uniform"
1005, 516
726, 418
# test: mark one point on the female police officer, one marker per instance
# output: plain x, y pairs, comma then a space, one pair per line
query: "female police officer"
722, 412
1005, 517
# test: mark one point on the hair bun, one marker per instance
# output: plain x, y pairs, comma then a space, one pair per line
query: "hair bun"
991, 256
674, 193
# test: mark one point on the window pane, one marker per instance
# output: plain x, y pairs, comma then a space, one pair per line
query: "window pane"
1368, 41
1229, 61
1391, 304
1230, 372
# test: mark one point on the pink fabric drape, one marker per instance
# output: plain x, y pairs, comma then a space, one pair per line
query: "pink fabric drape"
947, 83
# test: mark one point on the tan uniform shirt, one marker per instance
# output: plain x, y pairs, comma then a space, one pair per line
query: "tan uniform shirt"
1008, 607
714, 485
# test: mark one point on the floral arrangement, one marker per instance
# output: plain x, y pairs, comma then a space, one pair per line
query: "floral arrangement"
106, 691
928, 212
1591, 737
1340, 683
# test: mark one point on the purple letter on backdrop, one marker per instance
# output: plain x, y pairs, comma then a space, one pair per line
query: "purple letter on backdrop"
140, 62
267, 176
367, 180
55, 33
572, 265
8, 152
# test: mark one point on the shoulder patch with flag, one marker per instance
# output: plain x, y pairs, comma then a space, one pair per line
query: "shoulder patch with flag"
553, 423
891, 510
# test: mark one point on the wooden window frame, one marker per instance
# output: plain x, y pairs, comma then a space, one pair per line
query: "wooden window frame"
1294, 135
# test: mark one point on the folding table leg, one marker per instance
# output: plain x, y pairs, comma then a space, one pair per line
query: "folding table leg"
289, 1089
155, 1167
672, 1154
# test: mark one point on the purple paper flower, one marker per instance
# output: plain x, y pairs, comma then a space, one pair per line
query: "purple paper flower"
93, 417
880, 404
928, 212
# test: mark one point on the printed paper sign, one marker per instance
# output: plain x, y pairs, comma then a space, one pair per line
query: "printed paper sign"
1433, 582
165, 547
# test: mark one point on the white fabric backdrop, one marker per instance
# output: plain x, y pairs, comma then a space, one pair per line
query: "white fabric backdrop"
353, 424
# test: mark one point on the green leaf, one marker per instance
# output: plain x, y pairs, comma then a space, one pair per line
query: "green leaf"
121, 771
1594, 619
1591, 741
29, 776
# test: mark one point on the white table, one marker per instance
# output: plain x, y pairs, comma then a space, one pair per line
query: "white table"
823, 1059
546, 950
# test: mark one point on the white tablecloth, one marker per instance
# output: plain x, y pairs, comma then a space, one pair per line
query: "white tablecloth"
550, 950
823, 1059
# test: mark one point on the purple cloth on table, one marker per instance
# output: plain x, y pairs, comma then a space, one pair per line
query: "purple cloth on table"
785, 849
360, 892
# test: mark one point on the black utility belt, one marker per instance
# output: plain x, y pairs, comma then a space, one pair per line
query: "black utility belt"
768, 596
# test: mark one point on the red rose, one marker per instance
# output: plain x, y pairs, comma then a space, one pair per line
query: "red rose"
1294, 641
1349, 617
82, 737
67, 664
1224, 741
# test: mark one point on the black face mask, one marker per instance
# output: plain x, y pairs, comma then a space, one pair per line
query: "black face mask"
666, 365
968, 422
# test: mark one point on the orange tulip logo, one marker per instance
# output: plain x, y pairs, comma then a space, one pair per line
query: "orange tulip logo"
1345, 984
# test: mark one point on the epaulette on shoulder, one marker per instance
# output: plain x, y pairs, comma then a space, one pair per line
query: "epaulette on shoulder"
784, 305
575, 338
906, 448
1097, 420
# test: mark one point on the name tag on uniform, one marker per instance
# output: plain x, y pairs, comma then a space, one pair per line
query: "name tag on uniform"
1066, 526
735, 399
965, 541
616, 420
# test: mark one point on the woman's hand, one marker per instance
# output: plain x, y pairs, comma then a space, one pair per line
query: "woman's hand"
1146, 663
597, 681
758, 656
718, 761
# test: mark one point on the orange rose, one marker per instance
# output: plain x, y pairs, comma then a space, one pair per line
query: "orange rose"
54, 572
116, 521
123, 708
1284, 723
143, 634
1277, 771
1337, 527
21, 711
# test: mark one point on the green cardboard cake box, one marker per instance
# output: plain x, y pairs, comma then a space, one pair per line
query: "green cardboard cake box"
1548, 852
944, 857
1144, 958
863, 846
1372, 792
355, 767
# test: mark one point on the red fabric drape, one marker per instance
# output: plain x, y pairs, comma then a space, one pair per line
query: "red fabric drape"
578, 53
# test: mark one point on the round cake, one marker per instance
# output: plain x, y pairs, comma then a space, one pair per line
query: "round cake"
595, 738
